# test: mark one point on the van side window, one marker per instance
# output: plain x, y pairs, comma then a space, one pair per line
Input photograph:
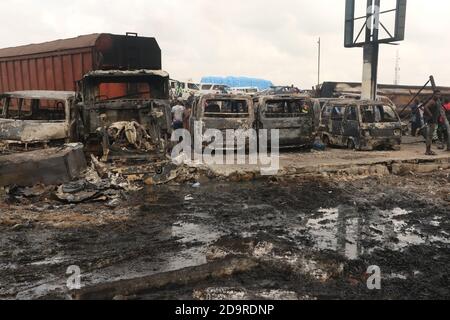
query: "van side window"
337, 112
377, 114
326, 113
352, 115
287, 108
226, 108
34, 109
18, 108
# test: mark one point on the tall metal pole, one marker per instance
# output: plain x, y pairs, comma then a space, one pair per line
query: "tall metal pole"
371, 51
318, 64
397, 69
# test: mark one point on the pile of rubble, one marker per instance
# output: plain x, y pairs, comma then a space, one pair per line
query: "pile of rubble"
131, 138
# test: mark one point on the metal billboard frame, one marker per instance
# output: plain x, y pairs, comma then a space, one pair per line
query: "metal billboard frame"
370, 38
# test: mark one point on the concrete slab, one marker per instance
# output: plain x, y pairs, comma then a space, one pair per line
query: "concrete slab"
47, 166
344, 160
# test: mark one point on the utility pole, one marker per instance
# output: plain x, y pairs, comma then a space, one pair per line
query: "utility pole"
318, 63
371, 51
397, 69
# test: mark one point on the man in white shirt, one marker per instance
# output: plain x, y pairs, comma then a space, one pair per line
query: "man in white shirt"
178, 116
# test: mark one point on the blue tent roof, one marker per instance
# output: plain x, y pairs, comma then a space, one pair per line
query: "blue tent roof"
234, 82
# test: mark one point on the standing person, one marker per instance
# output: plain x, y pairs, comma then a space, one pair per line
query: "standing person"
431, 116
178, 116
187, 116
191, 100
416, 118
442, 129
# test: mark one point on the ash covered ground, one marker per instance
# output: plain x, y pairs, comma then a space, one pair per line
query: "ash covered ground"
309, 238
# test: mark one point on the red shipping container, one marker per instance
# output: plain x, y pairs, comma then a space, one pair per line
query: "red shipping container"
58, 65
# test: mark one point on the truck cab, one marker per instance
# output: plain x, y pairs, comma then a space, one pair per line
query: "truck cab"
126, 110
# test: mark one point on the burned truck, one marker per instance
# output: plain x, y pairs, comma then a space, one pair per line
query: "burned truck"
122, 96
360, 124
126, 112
31, 119
293, 115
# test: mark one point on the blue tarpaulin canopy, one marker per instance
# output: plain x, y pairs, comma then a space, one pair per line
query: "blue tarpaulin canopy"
236, 82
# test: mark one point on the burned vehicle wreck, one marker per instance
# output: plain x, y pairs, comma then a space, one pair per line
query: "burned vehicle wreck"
125, 112
223, 112
37, 119
37, 129
293, 115
361, 125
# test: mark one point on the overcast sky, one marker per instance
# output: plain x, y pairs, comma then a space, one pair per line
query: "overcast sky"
272, 39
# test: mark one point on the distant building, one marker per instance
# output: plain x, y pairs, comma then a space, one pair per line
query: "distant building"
399, 94
239, 82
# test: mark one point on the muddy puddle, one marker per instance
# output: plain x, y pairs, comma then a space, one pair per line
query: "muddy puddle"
343, 230
312, 239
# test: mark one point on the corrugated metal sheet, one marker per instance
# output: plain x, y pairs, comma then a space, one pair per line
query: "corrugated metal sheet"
58, 65
85, 41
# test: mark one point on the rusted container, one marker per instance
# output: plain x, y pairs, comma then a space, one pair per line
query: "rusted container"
58, 65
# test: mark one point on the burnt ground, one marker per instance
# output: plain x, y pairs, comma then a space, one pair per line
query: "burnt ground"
312, 238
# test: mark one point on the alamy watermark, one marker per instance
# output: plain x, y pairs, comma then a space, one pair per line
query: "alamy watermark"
373, 21
374, 280
228, 147
74, 279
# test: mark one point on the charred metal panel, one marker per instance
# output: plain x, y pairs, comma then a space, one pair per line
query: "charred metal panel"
141, 112
48, 166
224, 123
32, 131
128, 52
383, 132
295, 128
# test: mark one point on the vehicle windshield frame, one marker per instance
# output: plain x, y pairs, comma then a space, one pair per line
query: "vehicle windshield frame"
160, 85
6, 112
226, 115
377, 116
301, 102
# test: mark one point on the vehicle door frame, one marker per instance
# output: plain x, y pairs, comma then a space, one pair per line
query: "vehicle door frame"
195, 114
336, 134
351, 128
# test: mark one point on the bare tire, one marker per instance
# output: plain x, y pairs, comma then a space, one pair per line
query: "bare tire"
351, 144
